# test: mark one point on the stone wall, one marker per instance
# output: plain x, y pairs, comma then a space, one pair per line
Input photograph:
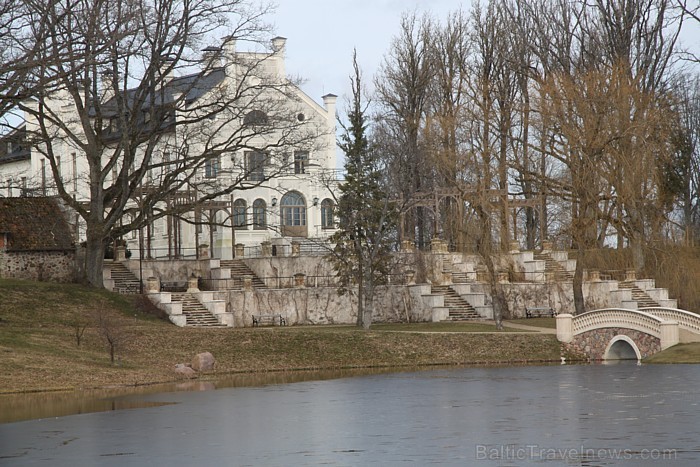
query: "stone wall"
51, 266
556, 295
594, 343
322, 305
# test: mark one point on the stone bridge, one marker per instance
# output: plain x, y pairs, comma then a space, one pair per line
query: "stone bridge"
620, 333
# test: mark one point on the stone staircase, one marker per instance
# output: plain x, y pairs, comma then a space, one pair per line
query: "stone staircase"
551, 266
197, 315
460, 309
638, 295
125, 282
460, 277
238, 270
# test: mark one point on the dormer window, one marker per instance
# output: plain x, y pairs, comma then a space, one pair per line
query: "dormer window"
255, 117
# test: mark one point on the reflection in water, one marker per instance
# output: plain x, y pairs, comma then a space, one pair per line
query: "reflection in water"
29, 406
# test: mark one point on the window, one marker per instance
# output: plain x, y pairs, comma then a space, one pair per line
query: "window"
327, 208
301, 158
212, 167
255, 117
43, 177
239, 214
259, 214
75, 173
255, 166
293, 208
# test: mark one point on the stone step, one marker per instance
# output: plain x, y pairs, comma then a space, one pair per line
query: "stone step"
551, 265
459, 309
197, 315
238, 270
638, 295
125, 282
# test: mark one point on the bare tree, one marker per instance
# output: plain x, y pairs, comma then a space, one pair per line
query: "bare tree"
402, 88
142, 134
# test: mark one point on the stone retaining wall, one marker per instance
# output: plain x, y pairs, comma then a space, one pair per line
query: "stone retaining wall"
323, 305
53, 266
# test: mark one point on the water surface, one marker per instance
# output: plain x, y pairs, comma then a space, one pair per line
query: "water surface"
557, 415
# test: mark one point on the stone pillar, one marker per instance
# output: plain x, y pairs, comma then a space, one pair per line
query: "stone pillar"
203, 251
565, 328
120, 253
669, 334
407, 246
296, 248
299, 280
438, 246
248, 282
152, 285
547, 246
193, 284
266, 248
240, 250
446, 277
594, 275
481, 273
549, 276
410, 277
630, 275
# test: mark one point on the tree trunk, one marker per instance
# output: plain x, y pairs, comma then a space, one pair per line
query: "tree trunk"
94, 260
579, 304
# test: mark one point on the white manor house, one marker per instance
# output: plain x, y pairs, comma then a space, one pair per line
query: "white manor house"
290, 199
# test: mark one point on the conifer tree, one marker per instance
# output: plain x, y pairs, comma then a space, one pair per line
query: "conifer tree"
367, 219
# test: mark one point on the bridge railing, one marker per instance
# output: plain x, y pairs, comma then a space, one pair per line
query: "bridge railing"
685, 319
666, 330
617, 317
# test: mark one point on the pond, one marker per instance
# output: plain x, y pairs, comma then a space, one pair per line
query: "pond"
596, 415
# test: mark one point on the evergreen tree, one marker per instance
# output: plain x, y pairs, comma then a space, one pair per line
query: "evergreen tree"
367, 219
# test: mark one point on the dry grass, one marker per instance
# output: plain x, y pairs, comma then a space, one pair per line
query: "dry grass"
681, 353
38, 347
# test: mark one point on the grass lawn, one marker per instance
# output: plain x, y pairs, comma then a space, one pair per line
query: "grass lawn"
681, 353
536, 322
459, 326
39, 324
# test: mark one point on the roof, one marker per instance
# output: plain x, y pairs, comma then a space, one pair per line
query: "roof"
34, 224
14, 147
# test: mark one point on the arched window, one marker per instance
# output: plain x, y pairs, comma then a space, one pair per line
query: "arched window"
255, 117
293, 211
327, 208
259, 214
239, 214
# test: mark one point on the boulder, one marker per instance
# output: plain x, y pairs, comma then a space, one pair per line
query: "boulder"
185, 371
203, 362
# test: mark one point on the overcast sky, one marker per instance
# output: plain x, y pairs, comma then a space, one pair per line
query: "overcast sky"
321, 35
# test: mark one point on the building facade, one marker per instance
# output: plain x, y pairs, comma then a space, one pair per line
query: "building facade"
272, 187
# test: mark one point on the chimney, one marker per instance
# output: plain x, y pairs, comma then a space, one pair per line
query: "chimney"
165, 71
211, 57
228, 46
279, 50
329, 101
107, 85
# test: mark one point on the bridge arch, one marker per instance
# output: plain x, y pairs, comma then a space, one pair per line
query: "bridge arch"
619, 333
622, 347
